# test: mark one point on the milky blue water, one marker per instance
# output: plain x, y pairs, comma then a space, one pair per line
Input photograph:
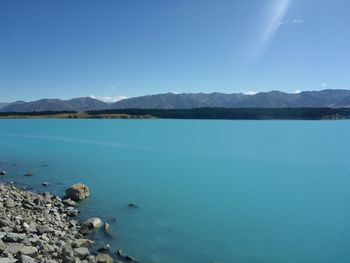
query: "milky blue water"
208, 191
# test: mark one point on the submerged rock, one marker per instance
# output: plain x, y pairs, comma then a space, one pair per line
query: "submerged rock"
132, 205
2, 173
106, 229
29, 174
121, 254
77, 192
45, 183
104, 248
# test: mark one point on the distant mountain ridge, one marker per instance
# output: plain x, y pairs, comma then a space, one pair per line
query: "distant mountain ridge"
77, 104
273, 99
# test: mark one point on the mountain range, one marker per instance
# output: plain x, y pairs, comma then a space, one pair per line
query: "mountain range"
77, 104
272, 99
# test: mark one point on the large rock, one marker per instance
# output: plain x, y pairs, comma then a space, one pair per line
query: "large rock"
69, 202
7, 260
14, 237
93, 222
103, 258
77, 192
2, 235
82, 243
29, 251
13, 248
27, 259
81, 252
70, 211
10, 203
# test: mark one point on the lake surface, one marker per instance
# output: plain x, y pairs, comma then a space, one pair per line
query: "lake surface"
208, 191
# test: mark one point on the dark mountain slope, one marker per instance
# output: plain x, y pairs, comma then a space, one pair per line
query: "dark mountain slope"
272, 99
78, 104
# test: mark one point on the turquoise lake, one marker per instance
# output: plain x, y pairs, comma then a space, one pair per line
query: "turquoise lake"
207, 191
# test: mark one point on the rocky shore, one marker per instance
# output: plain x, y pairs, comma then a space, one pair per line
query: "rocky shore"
41, 228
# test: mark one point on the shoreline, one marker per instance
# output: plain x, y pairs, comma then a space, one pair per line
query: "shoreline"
194, 113
41, 227
76, 116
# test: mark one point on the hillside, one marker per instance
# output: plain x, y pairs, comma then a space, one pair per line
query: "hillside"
77, 104
273, 99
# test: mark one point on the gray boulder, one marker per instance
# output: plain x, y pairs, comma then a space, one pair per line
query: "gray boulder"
14, 237
93, 222
69, 202
2, 235
71, 211
82, 243
7, 260
29, 251
27, 259
13, 248
81, 252
103, 258
10, 203
77, 192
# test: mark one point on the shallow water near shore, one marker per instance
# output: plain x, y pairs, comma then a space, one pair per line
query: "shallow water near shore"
225, 191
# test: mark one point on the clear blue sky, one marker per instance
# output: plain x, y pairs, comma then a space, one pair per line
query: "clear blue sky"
71, 48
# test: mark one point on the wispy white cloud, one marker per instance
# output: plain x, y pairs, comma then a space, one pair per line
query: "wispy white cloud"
297, 91
298, 21
324, 84
108, 98
112, 87
294, 21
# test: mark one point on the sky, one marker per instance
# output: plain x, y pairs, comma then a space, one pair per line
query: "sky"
111, 49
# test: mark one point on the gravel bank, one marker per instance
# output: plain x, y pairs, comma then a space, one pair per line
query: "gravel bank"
41, 228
